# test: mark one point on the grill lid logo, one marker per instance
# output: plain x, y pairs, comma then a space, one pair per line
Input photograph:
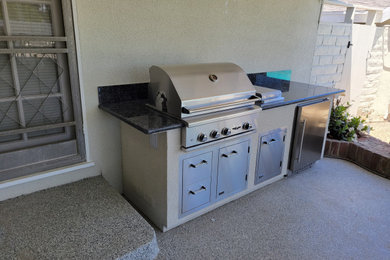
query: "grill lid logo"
213, 77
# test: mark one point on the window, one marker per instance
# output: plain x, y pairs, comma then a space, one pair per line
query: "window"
40, 114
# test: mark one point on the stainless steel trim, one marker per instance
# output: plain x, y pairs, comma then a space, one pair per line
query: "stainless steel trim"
301, 143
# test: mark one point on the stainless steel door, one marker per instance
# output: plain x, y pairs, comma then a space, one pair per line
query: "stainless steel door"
232, 169
197, 168
310, 129
270, 155
196, 194
196, 181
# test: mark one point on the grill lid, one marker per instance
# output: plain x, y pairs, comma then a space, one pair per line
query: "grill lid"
188, 90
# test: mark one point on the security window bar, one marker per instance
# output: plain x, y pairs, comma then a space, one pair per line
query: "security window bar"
40, 114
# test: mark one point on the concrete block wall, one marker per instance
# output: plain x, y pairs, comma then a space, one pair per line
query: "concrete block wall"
329, 56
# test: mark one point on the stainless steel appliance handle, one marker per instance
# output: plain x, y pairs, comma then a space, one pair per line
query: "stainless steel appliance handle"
252, 99
198, 164
301, 142
197, 191
230, 154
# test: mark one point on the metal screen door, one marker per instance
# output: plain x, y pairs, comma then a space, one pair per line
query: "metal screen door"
40, 115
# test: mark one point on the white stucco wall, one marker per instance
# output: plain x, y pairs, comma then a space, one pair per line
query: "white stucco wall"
120, 39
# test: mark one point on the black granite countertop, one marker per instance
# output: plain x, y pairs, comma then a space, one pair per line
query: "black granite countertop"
138, 115
128, 103
293, 92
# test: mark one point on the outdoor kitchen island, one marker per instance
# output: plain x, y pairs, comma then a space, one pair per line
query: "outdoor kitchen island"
171, 183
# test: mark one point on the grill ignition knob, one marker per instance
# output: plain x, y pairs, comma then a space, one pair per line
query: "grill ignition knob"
215, 134
246, 126
226, 131
202, 137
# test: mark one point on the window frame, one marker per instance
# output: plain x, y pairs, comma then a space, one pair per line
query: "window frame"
73, 97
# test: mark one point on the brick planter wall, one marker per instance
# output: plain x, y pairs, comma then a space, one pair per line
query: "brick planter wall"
368, 152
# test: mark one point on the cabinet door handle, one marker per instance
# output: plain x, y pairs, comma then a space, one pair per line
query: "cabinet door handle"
230, 154
197, 191
198, 164
301, 142
270, 142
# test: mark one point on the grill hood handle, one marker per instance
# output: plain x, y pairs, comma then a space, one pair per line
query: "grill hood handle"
250, 100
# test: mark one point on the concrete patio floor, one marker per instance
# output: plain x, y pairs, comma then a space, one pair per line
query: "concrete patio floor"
335, 210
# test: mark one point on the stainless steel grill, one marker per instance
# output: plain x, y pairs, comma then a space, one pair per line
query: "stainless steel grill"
215, 100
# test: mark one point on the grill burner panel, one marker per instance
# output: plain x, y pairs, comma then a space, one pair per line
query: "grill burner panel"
223, 125
206, 133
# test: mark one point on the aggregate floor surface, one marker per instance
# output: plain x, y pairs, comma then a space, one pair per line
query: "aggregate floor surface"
87, 219
334, 210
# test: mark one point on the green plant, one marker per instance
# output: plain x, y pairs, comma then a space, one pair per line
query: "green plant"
344, 127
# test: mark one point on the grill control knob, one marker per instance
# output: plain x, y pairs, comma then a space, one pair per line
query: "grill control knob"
246, 126
226, 131
215, 134
202, 137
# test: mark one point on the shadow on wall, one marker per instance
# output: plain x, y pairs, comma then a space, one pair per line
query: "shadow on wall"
368, 92
386, 65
